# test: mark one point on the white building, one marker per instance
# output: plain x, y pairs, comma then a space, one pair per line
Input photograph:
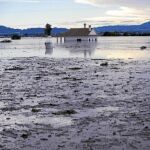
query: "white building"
80, 34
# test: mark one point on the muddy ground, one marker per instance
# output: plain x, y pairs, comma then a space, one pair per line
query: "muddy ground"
74, 104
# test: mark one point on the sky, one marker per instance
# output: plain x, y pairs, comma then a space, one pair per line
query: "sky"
73, 13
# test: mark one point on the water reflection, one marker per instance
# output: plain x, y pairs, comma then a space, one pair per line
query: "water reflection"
83, 49
49, 48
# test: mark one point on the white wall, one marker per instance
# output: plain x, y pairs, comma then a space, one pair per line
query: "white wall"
92, 38
93, 32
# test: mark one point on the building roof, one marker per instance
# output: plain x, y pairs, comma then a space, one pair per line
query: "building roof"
76, 32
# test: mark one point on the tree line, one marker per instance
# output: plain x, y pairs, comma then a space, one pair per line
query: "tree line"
124, 34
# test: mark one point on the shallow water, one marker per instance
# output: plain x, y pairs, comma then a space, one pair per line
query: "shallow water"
106, 47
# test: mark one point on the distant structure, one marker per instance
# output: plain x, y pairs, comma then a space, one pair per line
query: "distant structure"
79, 35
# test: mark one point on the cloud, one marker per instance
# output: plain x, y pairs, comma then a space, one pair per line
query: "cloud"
122, 11
127, 12
20, 1
120, 16
119, 11
106, 20
115, 20
131, 3
89, 2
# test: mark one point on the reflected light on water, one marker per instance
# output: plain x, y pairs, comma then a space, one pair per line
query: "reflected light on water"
120, 54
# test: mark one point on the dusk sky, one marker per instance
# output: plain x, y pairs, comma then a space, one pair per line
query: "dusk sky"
72, 13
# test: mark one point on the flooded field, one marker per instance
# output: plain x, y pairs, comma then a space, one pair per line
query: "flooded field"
94, 101
106, 47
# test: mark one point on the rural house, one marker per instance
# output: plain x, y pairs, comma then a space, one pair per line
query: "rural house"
80, 34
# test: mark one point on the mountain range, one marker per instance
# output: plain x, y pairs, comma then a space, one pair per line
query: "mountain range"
30, 31
143, 28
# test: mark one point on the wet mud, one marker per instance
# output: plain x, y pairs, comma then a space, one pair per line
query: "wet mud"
74, 104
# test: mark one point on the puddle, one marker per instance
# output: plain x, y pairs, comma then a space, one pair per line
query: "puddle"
97, 111
2, 104
21, 119
55, 122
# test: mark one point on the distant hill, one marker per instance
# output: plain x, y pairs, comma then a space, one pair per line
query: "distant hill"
145, 25
30, 31
144, 28
6, 30
57, 31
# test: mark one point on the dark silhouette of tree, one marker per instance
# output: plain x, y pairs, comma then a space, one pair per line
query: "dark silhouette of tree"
15, 37
112, 34
48, 29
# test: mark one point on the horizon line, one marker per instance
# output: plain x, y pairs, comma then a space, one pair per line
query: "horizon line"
40, 26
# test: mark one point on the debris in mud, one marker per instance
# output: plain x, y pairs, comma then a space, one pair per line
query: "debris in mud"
114, 133
38, 78
66, 78
53, 105
104, 64
58, 73
71, 78
75, 79
146, 127
14, 68
44, 139
65, 112
75, 68
114, 68
25, 135
34, 110
47, 104
9, 109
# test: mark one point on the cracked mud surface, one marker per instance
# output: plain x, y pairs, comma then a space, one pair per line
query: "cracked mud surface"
74, 104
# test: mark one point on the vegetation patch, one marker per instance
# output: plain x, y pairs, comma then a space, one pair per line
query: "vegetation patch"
6, 41
15, 37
